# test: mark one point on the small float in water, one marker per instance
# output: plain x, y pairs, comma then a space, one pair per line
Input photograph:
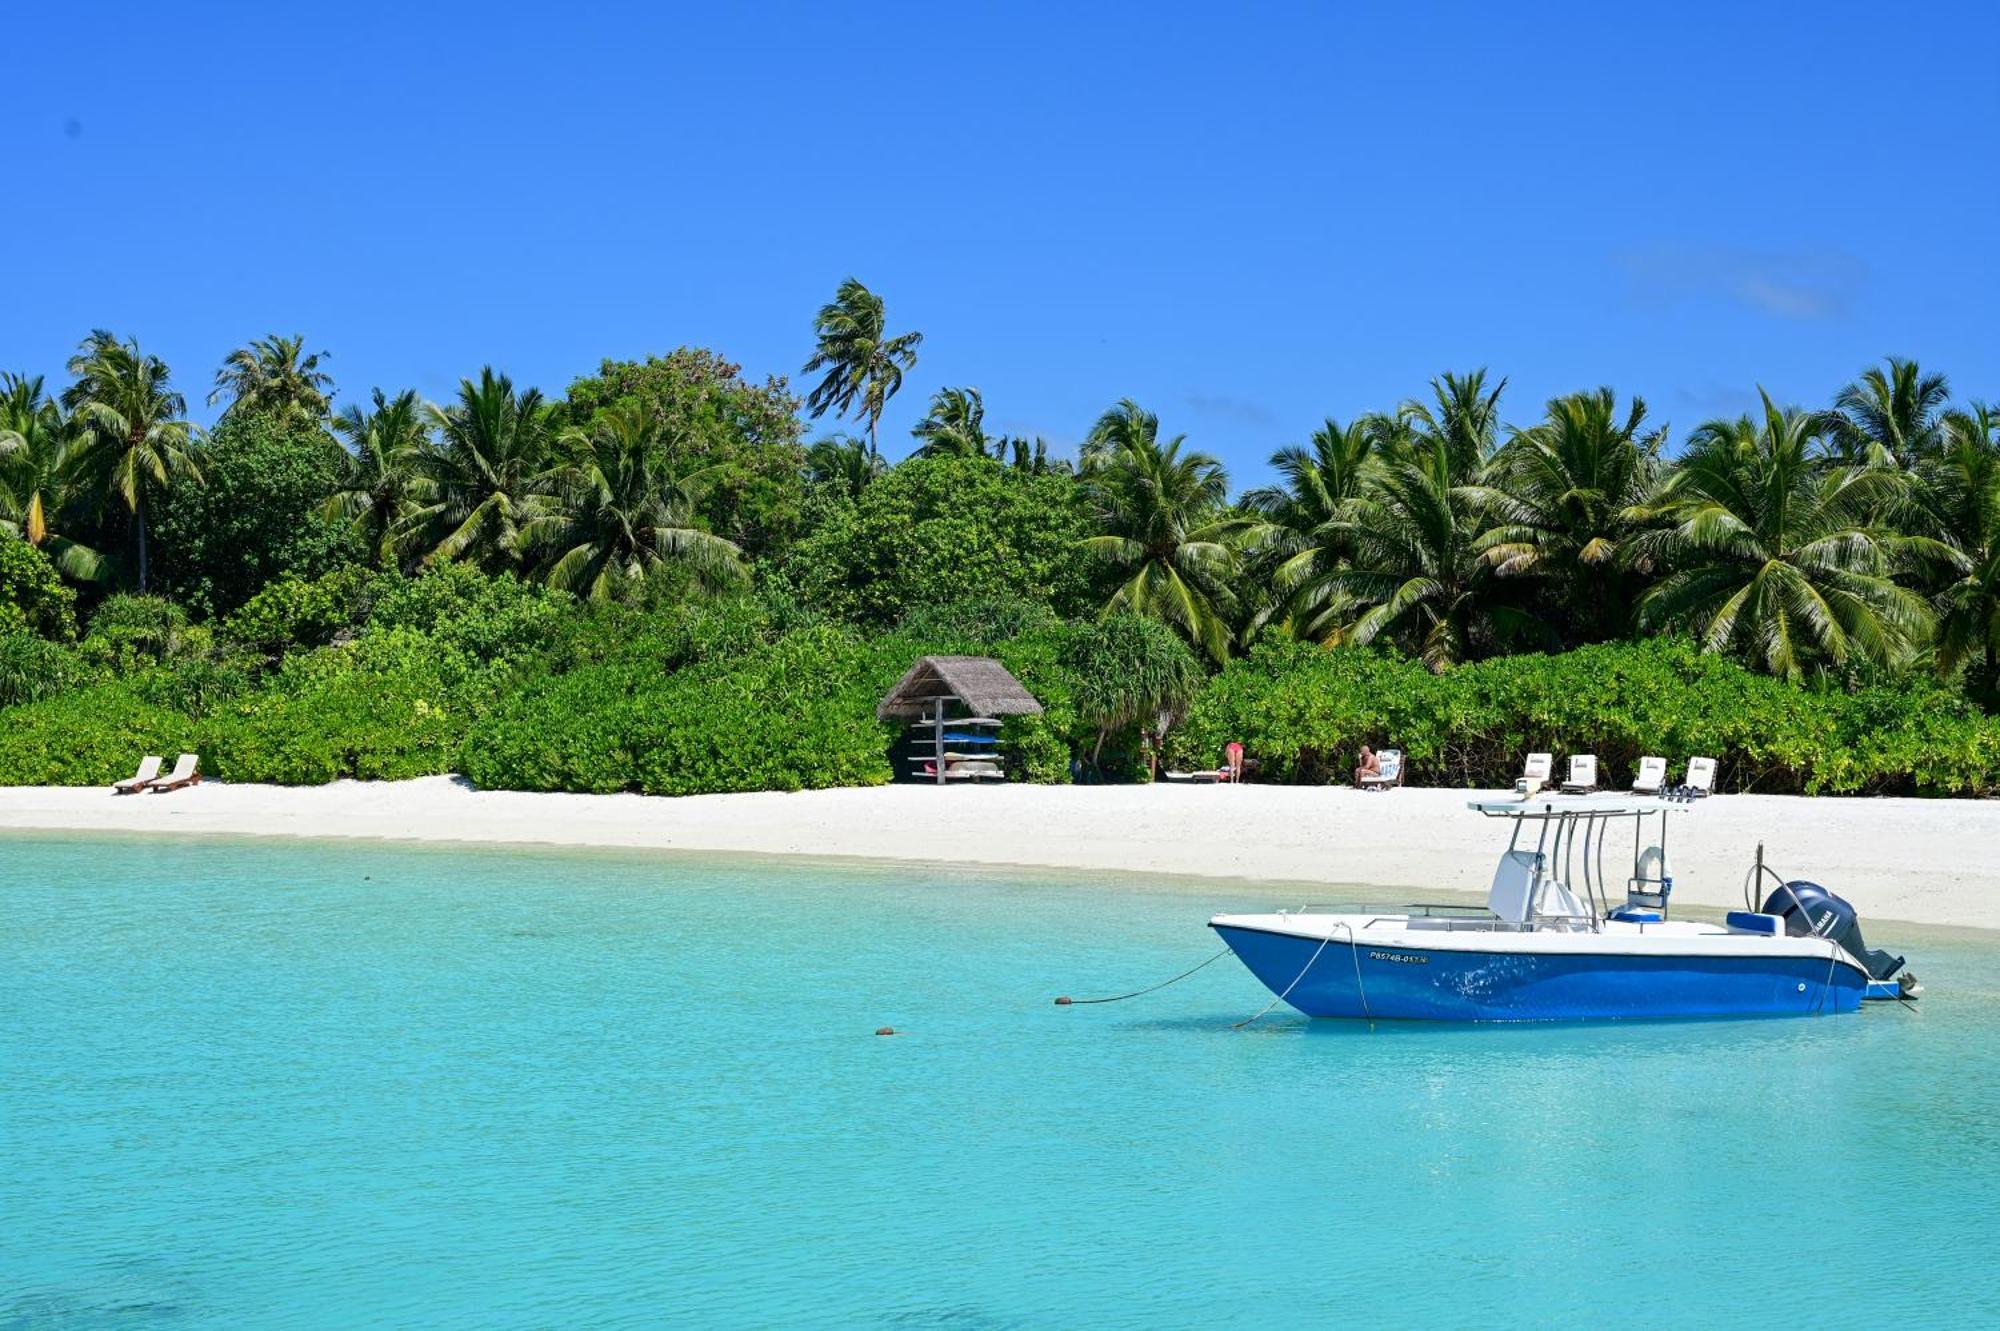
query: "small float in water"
1550, 945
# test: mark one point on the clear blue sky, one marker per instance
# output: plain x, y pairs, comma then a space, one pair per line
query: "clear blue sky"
1246, 217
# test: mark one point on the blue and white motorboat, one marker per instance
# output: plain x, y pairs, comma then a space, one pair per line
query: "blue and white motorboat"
1550, 944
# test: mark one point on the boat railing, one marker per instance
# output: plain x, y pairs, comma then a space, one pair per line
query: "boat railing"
1404, 908
1448, 917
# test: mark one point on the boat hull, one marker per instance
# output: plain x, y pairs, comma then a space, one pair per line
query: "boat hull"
1409, 979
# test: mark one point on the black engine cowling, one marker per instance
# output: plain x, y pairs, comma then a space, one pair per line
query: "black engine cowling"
1807, 908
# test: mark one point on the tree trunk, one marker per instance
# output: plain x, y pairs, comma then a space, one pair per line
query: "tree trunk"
139, 516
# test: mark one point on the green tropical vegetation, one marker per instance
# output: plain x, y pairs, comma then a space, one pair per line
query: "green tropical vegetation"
655, 582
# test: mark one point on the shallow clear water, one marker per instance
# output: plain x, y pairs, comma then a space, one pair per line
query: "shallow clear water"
336, 1084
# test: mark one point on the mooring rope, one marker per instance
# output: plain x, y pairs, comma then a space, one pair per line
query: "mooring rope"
1302, 975
1066, 1001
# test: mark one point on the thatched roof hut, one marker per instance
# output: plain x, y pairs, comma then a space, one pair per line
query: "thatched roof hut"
979, 683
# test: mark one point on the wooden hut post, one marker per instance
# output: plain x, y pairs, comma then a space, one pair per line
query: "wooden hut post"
938, 736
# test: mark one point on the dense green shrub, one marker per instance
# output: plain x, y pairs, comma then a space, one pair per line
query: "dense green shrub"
789, 715
488, 618
254, 517
392, 705
290, 613
938, 530
86, 737
982, 620
33, 668
195, 685
32, 594
128, 633
1303, 711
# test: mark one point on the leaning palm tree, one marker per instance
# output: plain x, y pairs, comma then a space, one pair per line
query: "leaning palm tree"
274, 375
1888, 416
1560, 493
863, 363
623, 511
1955, 513
382, 481
1163, 525
130, 419
1306, 528
955, 425
1773, 554
36, 462
1417, 575
1462, 418
842, 464
491, 473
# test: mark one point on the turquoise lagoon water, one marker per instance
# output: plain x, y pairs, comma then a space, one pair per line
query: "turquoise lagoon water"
292, 1084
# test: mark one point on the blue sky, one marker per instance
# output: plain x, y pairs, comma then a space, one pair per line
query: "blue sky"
1245, 217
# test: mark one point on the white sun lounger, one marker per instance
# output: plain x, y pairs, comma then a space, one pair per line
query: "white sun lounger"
1701, 776
1535, 773
186, 773
1652, 775
1582, 774
149, 768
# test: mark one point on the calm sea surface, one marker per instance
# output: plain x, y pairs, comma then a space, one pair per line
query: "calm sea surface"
341, 1084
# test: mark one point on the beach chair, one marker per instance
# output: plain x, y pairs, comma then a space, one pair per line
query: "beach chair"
149, 768
1391, 774
1535, 773
1701, 776
1652, 775
187, 772
1582, 774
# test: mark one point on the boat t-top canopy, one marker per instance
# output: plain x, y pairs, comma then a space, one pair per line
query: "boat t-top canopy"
1577, 806
1573, 833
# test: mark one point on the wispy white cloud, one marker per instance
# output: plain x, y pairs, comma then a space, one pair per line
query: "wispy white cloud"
1806, 285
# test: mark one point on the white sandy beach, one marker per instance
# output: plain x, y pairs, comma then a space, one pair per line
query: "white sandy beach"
1927, 861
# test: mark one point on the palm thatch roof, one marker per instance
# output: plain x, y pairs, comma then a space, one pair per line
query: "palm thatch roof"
980, 683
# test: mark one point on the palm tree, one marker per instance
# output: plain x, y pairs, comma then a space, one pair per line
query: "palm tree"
130, 418
1462, 418
1306, 529
1561, 492
842, 463
622, 512
1956, 513
382, 478
36, 459
1417, 574
1163, 524
1773, 554
275, 375
1029, 455
862, 362
955, 425
1889, 417
491, 472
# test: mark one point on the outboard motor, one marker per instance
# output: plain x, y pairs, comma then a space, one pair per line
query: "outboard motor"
1807, 909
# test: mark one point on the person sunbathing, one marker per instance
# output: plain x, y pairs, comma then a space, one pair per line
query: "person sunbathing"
1369, 765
